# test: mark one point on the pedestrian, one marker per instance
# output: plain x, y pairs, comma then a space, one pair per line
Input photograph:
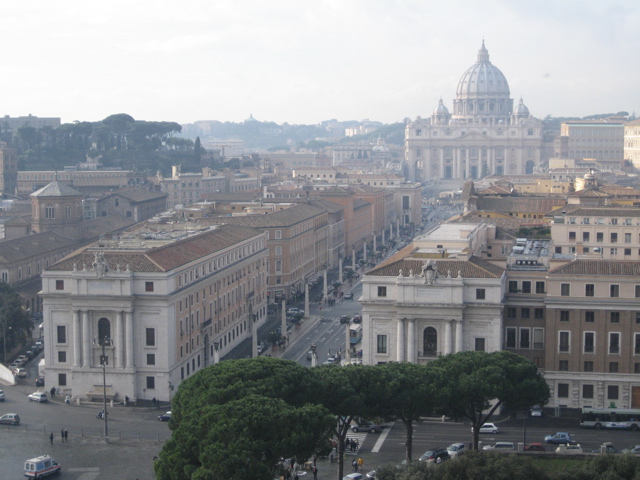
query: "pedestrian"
315, 457
315, 473
51, 438
153, 402
62, 434
360, 463
53, 392
66, 435
354, 464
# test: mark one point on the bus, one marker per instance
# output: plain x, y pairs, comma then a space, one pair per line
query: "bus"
610, 418
355, 333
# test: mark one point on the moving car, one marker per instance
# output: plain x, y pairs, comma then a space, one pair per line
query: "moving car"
165, 417
293, 311
634, 450
559, 438
534, 447
1, 396
41, 467
371, 475
353, 476
536, 411
39, 381
21, 372
456, 449
348, 296
366, 427
357, 319
345, 319
437, 455
569, 449
10, 419
39, 397
487, 428
606, 447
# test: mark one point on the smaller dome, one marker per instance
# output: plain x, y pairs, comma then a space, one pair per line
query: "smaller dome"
521, 110
441, 109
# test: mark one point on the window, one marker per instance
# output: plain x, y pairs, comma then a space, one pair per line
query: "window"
614, 238
589, 342
637, 291
524, 313
538, 313
563, 365
587, 390
151, 383
510, 337
480, 293
151, 337
480, 344
636, 368
513, 286
615, 317
148, 286
382, 291
637, 317
572, 236
585, 236
614, 343
627, 251
104, 330
614, 291
564, 341
614, 251
612, 392
627, 238
62, 356
278, 234
540, 287
613, 367
511, 312
564, 315
525, 338
62, 379
636, 342
49, 211
565, 289
59, 284
588, 366
278, 251
526, 287
62, 333
538, 338
558, 250
382, 344
563, 390
589, 290
599, 237
151, 358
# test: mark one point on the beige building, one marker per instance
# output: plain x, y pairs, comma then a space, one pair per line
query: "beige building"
632, 142
483, 135
600, 140
167, 299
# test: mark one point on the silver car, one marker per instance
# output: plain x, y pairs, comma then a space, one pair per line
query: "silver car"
456, 449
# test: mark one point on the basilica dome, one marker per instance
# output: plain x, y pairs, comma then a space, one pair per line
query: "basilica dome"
483, 78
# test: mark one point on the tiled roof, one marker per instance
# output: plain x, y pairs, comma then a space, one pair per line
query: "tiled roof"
520, 204
599, 267
331, 207
580, 211
166, 257
92, 229
282, 218
57, 189
475, 267
19, 249
137, 194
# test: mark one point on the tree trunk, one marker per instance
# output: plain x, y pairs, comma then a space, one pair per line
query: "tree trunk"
409, 442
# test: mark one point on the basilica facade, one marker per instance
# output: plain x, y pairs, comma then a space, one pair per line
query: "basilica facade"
484, 135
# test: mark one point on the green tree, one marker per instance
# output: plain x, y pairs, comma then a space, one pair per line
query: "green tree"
242, 439
197, 150
14, 319
476, 384
407, 392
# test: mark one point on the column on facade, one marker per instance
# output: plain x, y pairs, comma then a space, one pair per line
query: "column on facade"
447, 336
400, 345
129, 338
441, 155
491, 154
86, 339
411, 341
458, 335
467, 161
77, 342
119, 340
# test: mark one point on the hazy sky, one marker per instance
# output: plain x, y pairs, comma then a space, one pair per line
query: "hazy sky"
300, 61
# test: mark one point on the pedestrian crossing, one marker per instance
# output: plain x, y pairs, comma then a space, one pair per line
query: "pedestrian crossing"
353, 442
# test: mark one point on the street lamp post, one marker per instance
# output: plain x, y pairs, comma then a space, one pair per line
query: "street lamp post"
104, 342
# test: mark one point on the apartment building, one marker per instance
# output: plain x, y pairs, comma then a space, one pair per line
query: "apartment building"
162, 299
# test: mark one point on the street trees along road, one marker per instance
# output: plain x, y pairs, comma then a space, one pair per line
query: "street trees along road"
476, 384
407, 392
243, 439
15, 324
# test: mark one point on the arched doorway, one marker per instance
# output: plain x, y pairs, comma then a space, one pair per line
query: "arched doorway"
430, 342
104, 330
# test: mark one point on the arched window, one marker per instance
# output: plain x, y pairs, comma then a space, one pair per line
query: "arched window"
430, 339
49, 211
104, 330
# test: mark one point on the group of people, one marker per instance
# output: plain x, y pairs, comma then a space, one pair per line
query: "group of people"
64, 436
357, 464
351, 444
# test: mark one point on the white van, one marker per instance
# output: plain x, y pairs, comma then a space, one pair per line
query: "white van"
41, 467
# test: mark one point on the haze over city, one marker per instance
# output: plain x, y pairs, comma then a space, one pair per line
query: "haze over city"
304, 62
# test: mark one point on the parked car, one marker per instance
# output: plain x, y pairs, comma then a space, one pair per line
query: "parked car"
536, 411
371, 475
1, 396
345, 319
357, 319
366, 427
534, 447
635, 449
606, 447
456, 449
437, 455
39, 397
500, 446
353, 476
39, 381
569, 449
21, 372
10, 419
293, 311
348, 296
487, 428
165, 417
559, 438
